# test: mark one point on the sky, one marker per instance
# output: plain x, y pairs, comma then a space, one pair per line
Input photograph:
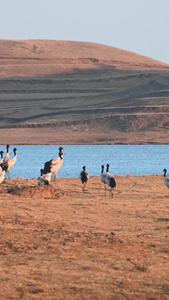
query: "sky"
140, 26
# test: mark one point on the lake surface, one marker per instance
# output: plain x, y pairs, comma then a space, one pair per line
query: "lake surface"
136, 160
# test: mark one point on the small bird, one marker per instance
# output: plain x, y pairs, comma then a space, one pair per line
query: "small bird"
103, 177
9, 163
53, 165
2, 174
166, 179
84, 178
110, 181
44, 179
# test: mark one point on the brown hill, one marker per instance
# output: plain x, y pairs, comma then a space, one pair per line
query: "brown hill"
76, 92
42, 57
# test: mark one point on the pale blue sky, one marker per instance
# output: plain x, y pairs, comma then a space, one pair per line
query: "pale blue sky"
140, 26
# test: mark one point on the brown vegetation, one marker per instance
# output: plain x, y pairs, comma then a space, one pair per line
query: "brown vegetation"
59, 243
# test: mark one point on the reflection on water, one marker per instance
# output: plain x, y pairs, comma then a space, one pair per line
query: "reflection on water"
136, 160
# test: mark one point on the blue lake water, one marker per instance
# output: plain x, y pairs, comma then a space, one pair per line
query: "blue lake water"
136, 160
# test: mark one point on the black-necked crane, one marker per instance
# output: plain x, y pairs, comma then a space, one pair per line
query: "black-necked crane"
7, 157
2, 173
166, 179
84, 178
53, 165
44, 179
103, 177
110, 181
9, 163
1, 160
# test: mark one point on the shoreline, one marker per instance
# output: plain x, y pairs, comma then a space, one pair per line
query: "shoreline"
90, 176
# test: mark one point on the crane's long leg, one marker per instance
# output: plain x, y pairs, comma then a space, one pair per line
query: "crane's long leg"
84, 186
111, 192
105, 189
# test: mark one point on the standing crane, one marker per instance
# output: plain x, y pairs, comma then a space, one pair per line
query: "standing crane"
103, 177
2, 173
9, 162
110, 181
84, 178
53, 165
1, 160
166, 179
7, 157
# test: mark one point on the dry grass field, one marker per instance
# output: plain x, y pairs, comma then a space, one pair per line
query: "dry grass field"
59, 243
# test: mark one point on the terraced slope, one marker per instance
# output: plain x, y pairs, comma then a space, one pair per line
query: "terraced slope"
84, 88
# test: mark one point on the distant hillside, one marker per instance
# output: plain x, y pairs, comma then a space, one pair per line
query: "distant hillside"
41, 57
78, 92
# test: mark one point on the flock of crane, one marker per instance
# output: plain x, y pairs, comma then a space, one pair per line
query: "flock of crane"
6, 163
52, 166
106, 178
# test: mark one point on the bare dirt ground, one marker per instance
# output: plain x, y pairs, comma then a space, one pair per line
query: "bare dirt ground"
59, 243
68, 136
